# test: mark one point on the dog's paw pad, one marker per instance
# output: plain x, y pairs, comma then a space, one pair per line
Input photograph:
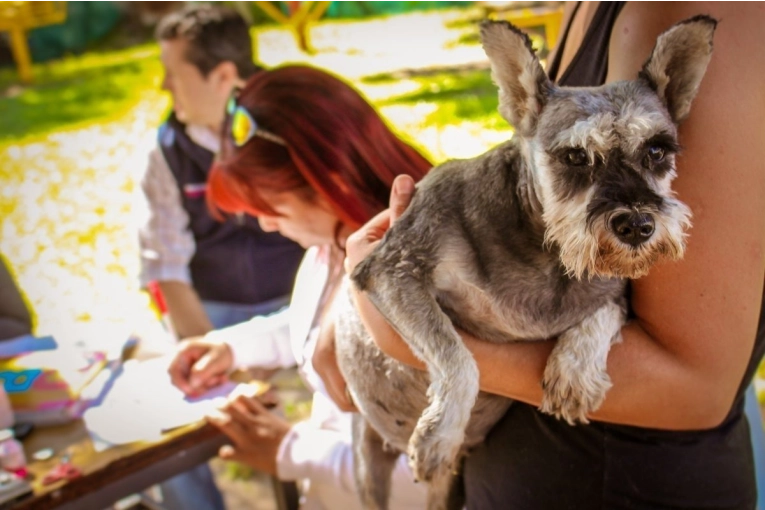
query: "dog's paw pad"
430, 456
571, 395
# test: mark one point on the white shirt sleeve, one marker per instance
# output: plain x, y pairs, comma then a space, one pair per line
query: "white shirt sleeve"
325, 456
165, 242
263, 341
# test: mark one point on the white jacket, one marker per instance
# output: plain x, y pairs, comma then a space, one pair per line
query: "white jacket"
317, 453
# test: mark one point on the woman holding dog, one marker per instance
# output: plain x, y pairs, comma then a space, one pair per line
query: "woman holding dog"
671, 432
308, 156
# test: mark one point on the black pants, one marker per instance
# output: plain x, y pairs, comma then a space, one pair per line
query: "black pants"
531, 461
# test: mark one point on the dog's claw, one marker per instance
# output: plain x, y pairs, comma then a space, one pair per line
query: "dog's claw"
572, 394
430, 455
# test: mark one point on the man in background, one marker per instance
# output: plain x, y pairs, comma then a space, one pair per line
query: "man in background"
211, 274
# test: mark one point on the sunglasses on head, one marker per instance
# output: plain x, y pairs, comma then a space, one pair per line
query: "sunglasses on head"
244, 127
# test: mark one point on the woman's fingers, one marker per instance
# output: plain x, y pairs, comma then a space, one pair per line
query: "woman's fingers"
325, 363
252, 405
180, 367
400, 196
363, 241
211, 367
228, 452
337, 389
226, 423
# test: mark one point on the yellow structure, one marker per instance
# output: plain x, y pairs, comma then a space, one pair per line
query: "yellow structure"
299, 21
547, 16
17, 18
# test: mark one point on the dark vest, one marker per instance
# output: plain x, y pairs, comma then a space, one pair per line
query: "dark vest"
235, 261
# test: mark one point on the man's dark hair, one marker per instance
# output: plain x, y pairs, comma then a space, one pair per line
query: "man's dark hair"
215, 34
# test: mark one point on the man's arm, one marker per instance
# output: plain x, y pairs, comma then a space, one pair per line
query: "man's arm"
185, 309
166, 247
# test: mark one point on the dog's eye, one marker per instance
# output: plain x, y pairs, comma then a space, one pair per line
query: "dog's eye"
656, 153
577, 157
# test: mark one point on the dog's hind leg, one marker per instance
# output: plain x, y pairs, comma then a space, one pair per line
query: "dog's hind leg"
373, 465
575, 379
446, 492
406, 302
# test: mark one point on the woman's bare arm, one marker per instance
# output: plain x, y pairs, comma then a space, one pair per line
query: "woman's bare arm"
684, 356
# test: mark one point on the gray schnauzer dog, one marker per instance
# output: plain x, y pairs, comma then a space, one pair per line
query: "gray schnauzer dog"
533, 240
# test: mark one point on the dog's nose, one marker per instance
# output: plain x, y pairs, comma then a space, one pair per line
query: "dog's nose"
633, 228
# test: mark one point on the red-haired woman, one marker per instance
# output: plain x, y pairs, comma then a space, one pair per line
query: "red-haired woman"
312, 159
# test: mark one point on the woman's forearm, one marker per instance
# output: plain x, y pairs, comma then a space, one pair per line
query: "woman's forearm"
652, 386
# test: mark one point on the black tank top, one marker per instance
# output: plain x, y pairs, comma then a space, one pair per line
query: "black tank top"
531, 461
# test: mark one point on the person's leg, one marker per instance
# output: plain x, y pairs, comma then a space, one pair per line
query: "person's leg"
193, 490
754, 416
222, 315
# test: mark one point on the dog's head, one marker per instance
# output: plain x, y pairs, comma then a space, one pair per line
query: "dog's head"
602, 159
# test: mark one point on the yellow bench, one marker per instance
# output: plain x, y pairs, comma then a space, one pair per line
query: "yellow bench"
548, 16
299, 20
17, 18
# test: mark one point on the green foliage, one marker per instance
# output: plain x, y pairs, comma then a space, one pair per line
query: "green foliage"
461, 94
359, 10
68, 92
238, 471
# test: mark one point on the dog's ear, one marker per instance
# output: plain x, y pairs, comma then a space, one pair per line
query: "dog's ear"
678, 63
515, 68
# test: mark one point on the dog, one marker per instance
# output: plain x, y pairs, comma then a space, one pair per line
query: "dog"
532, 240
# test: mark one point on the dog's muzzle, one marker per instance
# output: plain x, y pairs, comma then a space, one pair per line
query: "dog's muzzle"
633, 228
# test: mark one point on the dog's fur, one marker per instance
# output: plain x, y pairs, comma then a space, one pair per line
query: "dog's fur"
532, 240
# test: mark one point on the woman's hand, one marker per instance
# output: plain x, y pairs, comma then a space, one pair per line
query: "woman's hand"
200, 365
325, 363
359, 245
255, 432
362, 242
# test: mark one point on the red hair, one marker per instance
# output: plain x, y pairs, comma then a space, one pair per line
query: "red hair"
336, 145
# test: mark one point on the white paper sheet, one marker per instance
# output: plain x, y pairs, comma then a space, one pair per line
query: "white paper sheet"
142, 403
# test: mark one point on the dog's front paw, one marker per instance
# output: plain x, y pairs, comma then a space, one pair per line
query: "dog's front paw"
432, 454
571, 391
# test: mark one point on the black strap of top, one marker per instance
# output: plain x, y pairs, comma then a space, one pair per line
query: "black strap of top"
553, 67
590, 64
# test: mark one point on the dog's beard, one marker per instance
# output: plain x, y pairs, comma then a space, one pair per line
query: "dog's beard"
567, 228
591, 248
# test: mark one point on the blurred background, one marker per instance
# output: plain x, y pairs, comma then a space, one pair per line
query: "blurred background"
80, 102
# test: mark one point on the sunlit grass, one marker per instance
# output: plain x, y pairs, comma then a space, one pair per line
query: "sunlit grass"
460, 94
76, 91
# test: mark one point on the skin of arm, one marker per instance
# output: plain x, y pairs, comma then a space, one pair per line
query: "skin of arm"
167, 246
683, 357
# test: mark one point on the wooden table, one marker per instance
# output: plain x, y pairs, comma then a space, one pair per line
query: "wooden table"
121, 471
116, 472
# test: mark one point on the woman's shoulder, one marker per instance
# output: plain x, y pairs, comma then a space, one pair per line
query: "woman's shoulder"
639, 24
